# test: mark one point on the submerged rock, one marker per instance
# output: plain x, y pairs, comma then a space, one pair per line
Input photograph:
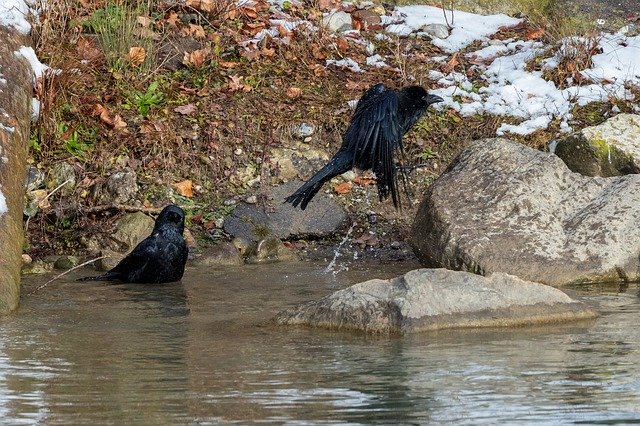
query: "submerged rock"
221, 254
503, 207
608, 149
434, 299
270, 249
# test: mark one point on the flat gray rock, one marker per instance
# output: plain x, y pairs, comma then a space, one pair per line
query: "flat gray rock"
251, 222
434, 299
503, 207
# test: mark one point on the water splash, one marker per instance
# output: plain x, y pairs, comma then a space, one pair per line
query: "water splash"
331, 267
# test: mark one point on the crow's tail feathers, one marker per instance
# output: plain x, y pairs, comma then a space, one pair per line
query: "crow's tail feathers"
108, 276
338, 165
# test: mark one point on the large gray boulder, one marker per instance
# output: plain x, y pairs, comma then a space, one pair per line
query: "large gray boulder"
433, 299
503, 207
608, 149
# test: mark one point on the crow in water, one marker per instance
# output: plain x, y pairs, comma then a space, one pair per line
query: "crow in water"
381, 118
159, 258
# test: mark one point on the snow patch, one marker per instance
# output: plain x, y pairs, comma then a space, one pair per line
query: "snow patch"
3, 204
28, 53
467, 27
13, 13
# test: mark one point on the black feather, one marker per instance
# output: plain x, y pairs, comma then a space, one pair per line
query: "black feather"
159, 258
381, 118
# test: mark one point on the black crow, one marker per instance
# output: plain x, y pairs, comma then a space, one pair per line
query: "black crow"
381, 118
159, 258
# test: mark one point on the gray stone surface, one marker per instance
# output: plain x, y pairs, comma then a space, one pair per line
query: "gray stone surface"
436, 30
433, 299
503, 207
253, 222
270, 249
339, 21
221, 254
62, 175
122, 186
133, 228
608, 149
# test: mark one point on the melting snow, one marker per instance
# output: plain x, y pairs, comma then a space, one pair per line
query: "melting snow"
13, 13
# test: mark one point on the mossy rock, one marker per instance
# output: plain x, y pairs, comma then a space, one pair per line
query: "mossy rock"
609, 149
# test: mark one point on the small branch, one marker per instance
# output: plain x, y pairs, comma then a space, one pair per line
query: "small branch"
444, 12
122, 207
63, 274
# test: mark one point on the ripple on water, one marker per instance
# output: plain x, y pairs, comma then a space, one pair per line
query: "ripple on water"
204, 351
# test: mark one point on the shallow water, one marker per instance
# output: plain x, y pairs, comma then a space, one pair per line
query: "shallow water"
203, 351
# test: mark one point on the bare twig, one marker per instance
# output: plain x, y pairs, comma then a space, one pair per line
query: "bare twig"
444, 12
122, 207
63, 274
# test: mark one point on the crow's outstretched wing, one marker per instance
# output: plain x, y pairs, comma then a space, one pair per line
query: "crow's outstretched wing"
373, 135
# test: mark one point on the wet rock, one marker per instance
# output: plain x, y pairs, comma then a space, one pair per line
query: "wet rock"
434, 299
221, 254
301, 160
108, 259
37, 267
436, 30
133, 228
62, 174
608, 149
35, 178
322, 217
503, 207
270, 249
122, 186
337, 22
66, 262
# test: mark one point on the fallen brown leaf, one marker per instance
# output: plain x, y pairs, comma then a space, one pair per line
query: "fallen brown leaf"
203, 5
172, 19
343, 188
236, 84
188, 109
196, 58
184, 188
534, 34
451, 64
342, 44
294, 92
136, 56
365, 180
143, 21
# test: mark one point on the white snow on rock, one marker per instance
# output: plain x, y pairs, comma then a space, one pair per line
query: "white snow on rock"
29, 54
13, 13
3, 204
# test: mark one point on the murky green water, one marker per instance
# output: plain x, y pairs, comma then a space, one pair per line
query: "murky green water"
202, 352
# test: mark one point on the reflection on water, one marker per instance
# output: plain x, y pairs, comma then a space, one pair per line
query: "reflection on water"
203, 351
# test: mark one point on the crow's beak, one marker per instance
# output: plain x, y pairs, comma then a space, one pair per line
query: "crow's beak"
432, 99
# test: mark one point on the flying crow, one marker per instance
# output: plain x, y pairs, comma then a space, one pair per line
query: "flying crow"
381, 118
159, 258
